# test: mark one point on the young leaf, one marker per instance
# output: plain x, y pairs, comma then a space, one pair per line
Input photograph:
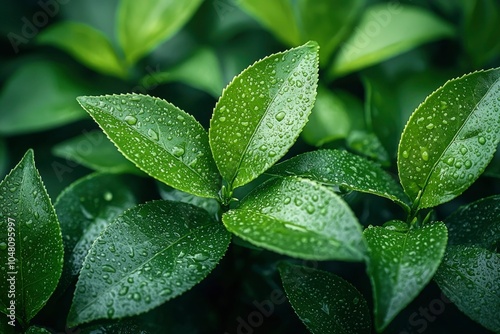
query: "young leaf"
51, 103
143, 25
400, 264
341, 168
450, 138
159, 138
31, 250
298, 218
88, 45
325, 302
150, 254
470, 278
265, 108
84, 209
476, 224
378, 35
95, 151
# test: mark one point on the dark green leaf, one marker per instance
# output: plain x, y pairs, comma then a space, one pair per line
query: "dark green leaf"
341, 168
84, 209
265, 108
150, 254
369, 145
470, 278
37, 330
51, 103
145, 24
170, 194
400, 265
379, 35
476, 224
162, 140
450, 139
31, 249
326, 303
299, 218
88, 45
93, 150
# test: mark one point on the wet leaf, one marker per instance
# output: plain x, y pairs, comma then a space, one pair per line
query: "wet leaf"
88, 45
470, 278
368, 145
31, 250
400, 264
177, 147
266, 107
150, 254
325, 302
341, 168
298, 218
476, 224
84, 209
450, 138
143, 25
378, 35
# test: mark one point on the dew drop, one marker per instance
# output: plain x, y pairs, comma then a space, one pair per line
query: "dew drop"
108, 196
405, 154
109, 269
222, 119
131, 120
425, 155
481, 140
165, 292
430, 126
153, 134
200, 257
463, 150
177, 151
136, 297
310, 209
280, 116
123, 291
111, 312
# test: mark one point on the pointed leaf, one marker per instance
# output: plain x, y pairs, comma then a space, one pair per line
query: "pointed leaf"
476, 224
84, 209
143, 25
326, 303
265, 108
470, 278
150, 254
450, 139
159, 138
341, 168
88, 45
31, 250
298, 218
400, 264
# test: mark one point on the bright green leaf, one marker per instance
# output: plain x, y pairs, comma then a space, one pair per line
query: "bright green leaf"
450, 139
211, 205
162, 140
277, 16
400, 265
150, 254
51, 103
93, 150
88, 45
142, 25
31, 249
265, 108
476, 224
298, 218
84, 209
326, 303
470, 278
379, 35
341, 168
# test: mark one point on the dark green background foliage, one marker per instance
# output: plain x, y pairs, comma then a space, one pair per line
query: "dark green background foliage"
323, 166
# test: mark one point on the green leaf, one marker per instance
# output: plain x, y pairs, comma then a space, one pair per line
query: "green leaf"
37, 330
476, 224
400, 265
210, 205
379, 35
142, 26
298, 218
341, 168
93, 150
326, 303
277, 16
51, 103
88, 45
150, 254
85, 209
162, 140
470, 278
369, 145
266, 107
31, 250
450, 139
